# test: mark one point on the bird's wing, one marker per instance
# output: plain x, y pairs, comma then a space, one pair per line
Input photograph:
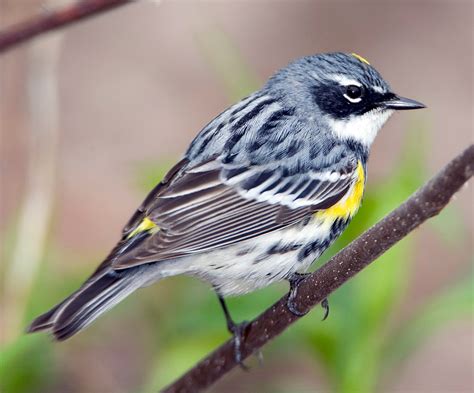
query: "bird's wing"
214, 205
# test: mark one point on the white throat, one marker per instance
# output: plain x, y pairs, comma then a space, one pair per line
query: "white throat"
362, 128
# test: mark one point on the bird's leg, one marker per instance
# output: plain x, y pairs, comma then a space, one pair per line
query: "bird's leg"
295, 280
238, 330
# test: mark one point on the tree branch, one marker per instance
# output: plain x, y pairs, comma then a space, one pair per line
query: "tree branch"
53, 20
425, 203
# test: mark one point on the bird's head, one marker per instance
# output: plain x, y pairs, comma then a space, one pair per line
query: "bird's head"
344, 91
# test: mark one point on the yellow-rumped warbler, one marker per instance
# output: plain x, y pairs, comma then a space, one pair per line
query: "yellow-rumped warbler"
261, 192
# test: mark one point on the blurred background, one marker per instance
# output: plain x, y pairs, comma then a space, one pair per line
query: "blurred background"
91, 118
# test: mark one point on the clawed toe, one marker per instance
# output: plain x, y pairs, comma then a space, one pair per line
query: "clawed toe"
325, 306
290, 304
295, 281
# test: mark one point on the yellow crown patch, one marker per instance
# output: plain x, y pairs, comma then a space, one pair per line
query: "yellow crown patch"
359, 57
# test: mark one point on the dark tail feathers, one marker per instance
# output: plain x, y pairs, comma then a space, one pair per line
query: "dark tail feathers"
86, 304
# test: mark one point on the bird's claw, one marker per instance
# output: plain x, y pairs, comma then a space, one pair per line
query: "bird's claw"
292, 308
295, 280
325, 306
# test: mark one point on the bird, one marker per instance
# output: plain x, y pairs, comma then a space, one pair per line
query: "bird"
261, 192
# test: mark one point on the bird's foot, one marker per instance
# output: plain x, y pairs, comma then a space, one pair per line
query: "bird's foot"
295, 280
239, 331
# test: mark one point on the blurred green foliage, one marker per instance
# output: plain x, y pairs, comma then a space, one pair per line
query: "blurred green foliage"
363, 338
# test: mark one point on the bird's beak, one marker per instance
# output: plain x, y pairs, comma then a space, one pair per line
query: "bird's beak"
401, 103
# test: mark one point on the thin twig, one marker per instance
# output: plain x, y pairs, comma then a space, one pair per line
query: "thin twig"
427, 202
51, 20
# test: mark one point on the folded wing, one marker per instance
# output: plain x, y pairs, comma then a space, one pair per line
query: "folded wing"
214, 205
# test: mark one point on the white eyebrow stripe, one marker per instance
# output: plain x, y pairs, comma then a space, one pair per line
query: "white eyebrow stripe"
344, 80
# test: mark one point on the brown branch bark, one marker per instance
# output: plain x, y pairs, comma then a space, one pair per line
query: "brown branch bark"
425, 203
53, 20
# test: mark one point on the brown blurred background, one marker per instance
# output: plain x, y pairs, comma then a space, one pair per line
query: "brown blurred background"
136, 84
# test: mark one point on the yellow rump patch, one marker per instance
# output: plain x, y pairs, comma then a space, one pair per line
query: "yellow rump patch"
349, 205
145, 225
359, 57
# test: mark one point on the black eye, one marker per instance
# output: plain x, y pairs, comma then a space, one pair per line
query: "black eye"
353, 92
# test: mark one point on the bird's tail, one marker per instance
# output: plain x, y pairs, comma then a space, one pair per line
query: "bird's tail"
96, 296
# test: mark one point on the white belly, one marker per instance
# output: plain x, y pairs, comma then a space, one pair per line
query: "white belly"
255, 263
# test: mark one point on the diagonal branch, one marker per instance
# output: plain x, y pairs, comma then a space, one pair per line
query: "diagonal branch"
425, 203
52, 20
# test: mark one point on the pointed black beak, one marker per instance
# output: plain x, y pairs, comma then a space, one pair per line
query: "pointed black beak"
401, 103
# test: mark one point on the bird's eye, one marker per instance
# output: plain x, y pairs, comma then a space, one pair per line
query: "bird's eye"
354, 93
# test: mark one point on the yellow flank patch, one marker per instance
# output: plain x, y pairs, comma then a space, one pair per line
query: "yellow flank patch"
145, 225
349, 205
359, 57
